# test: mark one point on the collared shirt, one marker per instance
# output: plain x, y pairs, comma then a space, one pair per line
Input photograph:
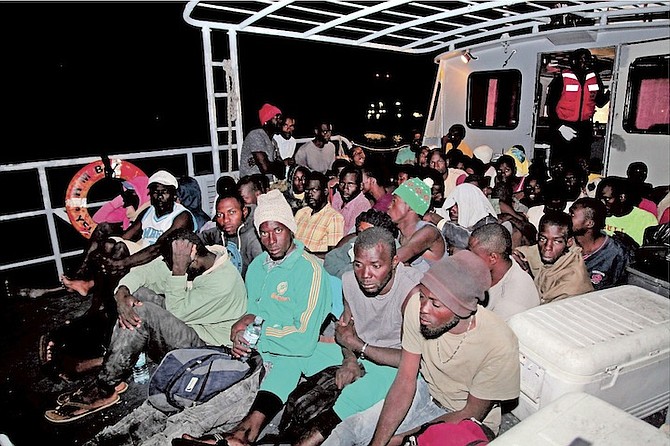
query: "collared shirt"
320, 230
350, 210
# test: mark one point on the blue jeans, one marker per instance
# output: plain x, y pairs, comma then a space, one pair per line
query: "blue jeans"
159, 333
359, 429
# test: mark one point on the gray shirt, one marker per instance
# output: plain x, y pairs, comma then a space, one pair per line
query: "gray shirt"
378, 319
314, 158
257, 140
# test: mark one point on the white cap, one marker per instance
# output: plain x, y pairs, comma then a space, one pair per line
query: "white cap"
484, 153
165, 178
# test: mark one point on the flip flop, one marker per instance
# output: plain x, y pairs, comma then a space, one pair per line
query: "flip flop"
220, 441
65, 397
72, 410
43, 346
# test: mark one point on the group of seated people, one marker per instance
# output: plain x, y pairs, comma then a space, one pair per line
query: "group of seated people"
416, 269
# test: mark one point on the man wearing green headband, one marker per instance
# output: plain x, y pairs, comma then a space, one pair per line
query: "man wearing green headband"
421, 243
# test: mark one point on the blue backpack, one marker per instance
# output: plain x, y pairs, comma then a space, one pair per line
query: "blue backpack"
187, 377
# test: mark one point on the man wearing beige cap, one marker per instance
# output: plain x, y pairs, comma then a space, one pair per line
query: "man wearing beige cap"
468, 359
290, 290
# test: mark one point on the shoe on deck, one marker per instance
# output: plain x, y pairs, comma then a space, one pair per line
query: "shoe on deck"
79, 405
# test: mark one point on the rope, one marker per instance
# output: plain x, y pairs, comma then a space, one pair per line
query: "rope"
232, 104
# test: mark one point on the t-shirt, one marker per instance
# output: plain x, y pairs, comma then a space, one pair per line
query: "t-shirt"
607, 265
314, 158
257, 140
350, 210
514, 293
483, 361
378, 319
632, 224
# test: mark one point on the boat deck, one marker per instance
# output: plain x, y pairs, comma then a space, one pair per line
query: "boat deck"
26, 392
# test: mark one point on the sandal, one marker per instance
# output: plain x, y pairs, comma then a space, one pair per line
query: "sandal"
73, 410
65, 397
218, 438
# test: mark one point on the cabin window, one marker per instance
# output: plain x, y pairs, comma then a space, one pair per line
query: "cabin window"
493, 99
648, 96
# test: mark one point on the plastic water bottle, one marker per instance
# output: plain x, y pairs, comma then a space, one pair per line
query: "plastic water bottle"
252, 333
141, 370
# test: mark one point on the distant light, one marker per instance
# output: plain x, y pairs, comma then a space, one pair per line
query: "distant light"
399, 115
372, 105
398, 103
376, 74
377, 115
388, 76
417, 115
381, 104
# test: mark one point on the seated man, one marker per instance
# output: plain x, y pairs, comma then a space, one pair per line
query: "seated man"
556, 262
512, 289
340, 259
320, 227
605, 257
349, 199
250, 187
289, 288
375, 187
234, 229
421, 243
368, 331
108, 259
622, 214
163, 216
467, 356
159, 312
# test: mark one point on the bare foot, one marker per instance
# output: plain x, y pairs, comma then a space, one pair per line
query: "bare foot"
80, 286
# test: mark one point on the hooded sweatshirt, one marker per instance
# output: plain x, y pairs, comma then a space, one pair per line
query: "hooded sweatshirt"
210, 304
190, 196
243, 248
567, 277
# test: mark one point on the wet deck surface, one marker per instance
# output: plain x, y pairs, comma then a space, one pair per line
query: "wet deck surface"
26, 392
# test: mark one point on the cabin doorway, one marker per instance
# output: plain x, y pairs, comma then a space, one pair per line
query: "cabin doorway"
551, 65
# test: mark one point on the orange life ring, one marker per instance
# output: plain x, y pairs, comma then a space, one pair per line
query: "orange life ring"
77, 190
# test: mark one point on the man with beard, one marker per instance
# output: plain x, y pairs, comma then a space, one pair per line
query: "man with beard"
556, 262
320, 227
189, 297
348, 200
260, 153
467, 357
291, 291
605, 257
234, 230
368, 332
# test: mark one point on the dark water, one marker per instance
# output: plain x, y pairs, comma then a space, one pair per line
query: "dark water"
83, 78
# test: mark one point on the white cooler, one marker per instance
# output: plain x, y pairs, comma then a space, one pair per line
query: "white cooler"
580, 419
613, 344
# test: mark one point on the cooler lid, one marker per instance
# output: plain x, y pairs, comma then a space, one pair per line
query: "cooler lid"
588, 334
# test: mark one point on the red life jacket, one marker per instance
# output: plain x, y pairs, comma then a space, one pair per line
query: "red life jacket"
577, 102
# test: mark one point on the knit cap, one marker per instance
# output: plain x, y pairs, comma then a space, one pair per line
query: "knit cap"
459, 282
267, 112
416, 193
272, 206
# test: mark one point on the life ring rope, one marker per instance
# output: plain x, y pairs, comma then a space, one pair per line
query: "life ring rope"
76, 195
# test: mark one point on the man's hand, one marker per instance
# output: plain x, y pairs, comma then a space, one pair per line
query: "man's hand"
240, 345
110, 266
567, 133
521, 260
346, 336
349, 372
125, 304
183, 254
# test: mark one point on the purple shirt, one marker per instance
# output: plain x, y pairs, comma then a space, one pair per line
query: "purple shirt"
383, 203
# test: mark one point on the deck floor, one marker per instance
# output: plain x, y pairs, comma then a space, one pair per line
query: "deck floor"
25, 392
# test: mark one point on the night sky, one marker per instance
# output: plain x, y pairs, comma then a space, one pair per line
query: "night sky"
82, 78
